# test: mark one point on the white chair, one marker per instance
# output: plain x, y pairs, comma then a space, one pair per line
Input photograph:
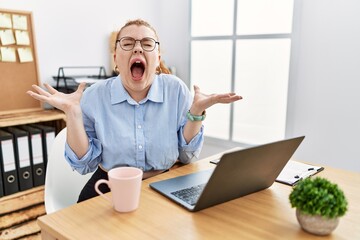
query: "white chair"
62, 184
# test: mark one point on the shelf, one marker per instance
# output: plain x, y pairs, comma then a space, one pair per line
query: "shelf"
71, 77
30, 116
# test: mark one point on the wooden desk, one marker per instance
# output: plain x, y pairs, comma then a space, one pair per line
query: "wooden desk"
263, 215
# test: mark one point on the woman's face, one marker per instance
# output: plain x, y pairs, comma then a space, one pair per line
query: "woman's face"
137, 67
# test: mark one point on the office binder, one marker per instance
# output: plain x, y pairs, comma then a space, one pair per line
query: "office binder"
8, 165
22, 157
36, 154
48, 136
1, 172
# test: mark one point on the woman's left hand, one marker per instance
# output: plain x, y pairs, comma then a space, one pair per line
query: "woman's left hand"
203, 101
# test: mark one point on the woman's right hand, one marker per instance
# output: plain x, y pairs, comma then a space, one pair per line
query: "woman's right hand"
59, 100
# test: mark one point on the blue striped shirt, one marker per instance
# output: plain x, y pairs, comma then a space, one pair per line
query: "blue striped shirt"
147, 135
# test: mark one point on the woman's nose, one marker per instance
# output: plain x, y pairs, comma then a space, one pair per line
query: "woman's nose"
137, 47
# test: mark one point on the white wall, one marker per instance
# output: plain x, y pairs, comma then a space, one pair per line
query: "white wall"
76, 33
324, 90
324, 80
174, 31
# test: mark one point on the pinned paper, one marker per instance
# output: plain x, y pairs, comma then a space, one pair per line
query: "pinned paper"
22, 37
19, 22
7, 37
25, 54
5, 20
8, 54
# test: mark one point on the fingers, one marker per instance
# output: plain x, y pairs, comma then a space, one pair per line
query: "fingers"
229, 98
37, 96
196, 89
81, 87
41, 91
50, 88
218, 98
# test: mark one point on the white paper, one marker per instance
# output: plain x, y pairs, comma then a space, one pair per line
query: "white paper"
86, 80
22, 37
24, 154
8, 54
37, 150
50, 137
8, 155
295, 171
7, 37
25, 55
5, 20
19, 22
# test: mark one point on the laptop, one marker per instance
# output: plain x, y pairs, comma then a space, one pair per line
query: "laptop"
237, 174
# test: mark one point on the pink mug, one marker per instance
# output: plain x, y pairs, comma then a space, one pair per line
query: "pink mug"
125, 186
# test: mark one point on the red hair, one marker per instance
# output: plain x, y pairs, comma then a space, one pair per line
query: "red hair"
139, 22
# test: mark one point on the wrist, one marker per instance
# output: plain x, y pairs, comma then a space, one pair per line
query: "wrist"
73, 111
194, 110
193, 117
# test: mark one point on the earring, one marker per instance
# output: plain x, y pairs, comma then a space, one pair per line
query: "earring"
158, 70
116, 69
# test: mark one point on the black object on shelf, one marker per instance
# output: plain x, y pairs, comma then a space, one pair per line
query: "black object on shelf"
68, 78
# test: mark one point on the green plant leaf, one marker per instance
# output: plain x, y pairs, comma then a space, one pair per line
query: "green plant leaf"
318, 196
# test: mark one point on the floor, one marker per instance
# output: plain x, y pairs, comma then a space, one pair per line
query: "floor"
213, 146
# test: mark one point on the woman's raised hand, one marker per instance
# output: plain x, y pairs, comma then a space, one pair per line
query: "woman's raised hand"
203, 101
58, 99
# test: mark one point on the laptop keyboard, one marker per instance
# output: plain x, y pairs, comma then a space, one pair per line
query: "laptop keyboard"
190, 195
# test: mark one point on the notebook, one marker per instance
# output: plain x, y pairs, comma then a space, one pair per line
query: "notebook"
237, 174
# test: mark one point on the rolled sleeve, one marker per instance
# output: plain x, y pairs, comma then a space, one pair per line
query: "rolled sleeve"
191, 151
89, 162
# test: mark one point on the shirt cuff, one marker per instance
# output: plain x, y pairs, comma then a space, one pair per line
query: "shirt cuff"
193, 148
89, 162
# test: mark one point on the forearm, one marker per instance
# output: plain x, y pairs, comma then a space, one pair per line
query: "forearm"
76, 136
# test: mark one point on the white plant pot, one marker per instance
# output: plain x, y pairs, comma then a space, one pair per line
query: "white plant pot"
316, 224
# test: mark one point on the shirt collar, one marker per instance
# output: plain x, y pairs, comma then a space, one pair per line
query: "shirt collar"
119, 93
156, 91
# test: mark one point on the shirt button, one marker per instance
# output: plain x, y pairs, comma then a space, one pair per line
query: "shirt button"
139, 126
140, 146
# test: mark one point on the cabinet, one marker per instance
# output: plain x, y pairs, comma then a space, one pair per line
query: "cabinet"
19, 211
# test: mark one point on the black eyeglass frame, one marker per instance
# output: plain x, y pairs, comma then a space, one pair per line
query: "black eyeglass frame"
137, 40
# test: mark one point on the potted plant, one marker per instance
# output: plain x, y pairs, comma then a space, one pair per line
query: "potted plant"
319, 204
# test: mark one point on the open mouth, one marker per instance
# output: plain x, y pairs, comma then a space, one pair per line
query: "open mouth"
137, 70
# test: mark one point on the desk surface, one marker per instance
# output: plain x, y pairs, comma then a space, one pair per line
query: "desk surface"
263, 215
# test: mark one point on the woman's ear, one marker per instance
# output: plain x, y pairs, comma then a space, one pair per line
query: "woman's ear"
116, 69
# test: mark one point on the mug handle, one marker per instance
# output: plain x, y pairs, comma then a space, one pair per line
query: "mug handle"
97, 184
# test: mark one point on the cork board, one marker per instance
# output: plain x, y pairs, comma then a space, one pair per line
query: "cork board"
18, 61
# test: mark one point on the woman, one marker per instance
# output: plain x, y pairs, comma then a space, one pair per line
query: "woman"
141, 118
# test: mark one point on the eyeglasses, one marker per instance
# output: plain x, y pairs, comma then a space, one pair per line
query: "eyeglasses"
128, 43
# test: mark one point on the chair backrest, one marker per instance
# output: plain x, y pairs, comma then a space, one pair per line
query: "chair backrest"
62, 184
